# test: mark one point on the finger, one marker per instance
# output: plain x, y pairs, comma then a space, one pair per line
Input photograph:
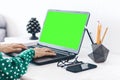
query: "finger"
23, 46
17, 49
51, 53
20, 46
48, 50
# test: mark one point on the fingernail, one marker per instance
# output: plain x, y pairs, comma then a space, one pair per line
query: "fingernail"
19, 49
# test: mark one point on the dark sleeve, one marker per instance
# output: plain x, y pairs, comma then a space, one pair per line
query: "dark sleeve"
13, 68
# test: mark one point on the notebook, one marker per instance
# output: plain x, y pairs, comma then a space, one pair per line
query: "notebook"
63, 32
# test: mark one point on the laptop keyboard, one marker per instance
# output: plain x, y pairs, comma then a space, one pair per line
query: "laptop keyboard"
57, 51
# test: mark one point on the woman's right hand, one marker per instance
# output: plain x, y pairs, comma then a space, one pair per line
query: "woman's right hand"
12, 47
40, 52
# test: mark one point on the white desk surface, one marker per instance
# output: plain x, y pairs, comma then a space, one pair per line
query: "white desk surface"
109, 70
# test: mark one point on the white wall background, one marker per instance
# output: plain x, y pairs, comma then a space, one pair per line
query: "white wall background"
19, 12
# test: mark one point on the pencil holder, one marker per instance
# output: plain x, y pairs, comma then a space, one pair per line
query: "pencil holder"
99, 54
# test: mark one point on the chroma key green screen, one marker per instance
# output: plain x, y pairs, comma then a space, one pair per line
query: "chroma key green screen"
64, 28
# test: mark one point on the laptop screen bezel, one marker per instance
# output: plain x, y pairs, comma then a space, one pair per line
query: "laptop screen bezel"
64, 48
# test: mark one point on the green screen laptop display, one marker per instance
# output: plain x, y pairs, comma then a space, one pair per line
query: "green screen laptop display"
64, 28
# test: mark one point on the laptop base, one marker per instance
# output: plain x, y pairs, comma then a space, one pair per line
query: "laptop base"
47, 60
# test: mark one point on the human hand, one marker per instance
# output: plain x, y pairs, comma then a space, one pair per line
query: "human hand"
40, 52
12, 47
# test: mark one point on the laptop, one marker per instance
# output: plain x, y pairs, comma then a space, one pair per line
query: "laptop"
63, 32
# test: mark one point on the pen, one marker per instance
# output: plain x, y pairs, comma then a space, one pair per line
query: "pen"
104, 34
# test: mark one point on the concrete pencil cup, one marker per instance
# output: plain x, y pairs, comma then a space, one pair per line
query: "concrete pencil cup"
99, 54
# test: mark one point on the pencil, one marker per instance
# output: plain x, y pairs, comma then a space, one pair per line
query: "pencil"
98, 39
104, 34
